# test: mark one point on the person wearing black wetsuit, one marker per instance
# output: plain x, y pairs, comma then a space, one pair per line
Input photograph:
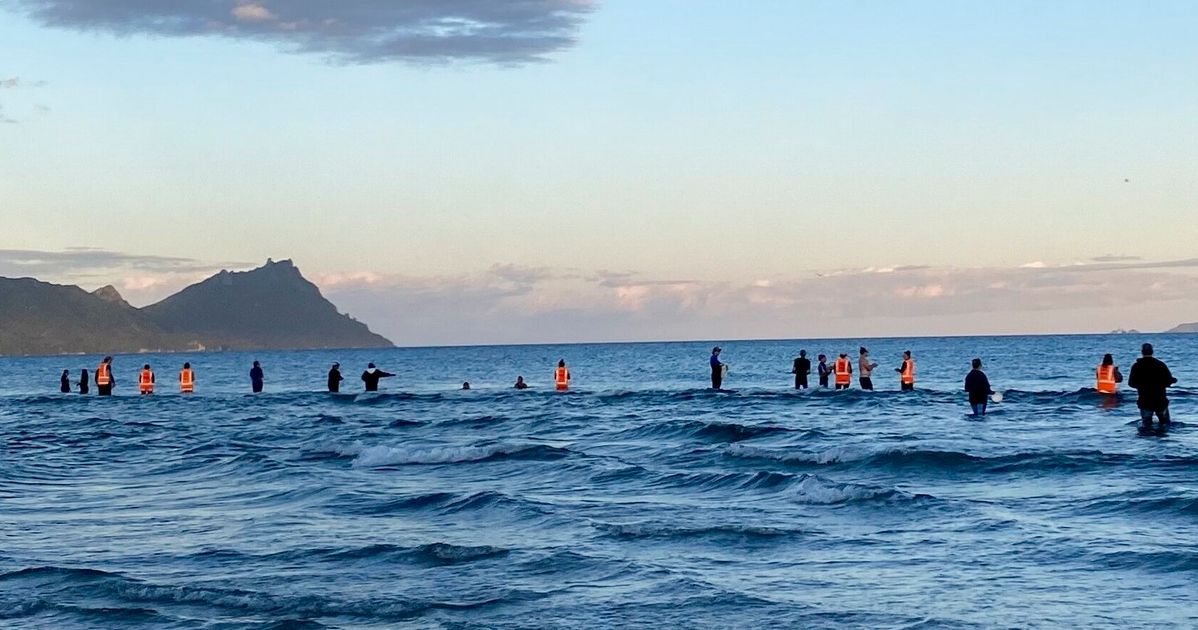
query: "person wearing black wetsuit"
64, 383
801, 369
257, 378
83, 381
371, 377
1151, 378
978, 387
520, 384
717, 369
335, 378
824, 370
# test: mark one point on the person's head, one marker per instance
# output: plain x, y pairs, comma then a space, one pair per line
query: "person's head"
519, 379
561, 363
65, 372
146, 366
370, 366
823, 357
906, 354
844, 355
717, 350
187, 366
466, 385
84, 372
1146, 349
336, 366
1108, 359
802, 353
108, 359
256, 364
977, 364
864, 351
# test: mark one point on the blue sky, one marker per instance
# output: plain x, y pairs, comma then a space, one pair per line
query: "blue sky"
650, 169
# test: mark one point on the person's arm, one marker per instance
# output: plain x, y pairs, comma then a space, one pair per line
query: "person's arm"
386, 374
1169, 379
1118, 375
1133, 380
986, 383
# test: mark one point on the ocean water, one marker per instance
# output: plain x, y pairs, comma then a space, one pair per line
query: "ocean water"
639, 499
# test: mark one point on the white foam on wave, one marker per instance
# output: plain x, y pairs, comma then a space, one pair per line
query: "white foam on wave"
836, 455
816, 491
371, 456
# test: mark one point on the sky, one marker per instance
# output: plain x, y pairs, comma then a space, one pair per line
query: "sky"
521, 171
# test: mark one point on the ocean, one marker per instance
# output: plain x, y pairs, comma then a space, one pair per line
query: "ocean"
638, 499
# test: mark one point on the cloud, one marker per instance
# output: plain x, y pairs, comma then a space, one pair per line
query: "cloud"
348, 31
543, 305
1109, 258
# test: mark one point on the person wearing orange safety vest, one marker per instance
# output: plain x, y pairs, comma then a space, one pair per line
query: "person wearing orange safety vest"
187, 380
104, 380
1108, 376
907, 372
561, 376
844, 371
145, 383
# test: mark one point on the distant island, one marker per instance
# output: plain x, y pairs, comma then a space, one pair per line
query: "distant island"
271, 307
1184, 328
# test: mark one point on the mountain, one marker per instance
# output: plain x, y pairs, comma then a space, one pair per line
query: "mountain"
41, 318
1184, 328
272, 307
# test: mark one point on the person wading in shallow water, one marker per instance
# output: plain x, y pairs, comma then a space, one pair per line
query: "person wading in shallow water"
717, 368
978, 387
371, 377
1151, 378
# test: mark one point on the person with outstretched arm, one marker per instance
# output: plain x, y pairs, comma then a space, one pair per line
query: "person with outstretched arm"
802, 368
717, 369
371, 377
257, 378
64, 384
335, 378
865, 370
1150, 377
978, 387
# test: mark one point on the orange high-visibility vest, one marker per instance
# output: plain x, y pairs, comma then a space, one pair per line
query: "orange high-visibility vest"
102, 375
561, 376
1106, 380
908, 374
844, 371
187, 383
146, 382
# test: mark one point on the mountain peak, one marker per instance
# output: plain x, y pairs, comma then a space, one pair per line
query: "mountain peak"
108, 293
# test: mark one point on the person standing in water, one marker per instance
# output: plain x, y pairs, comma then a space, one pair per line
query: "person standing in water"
844, 371
825, 371
561, 376
64, 383
978, 387
187, 379
717, 369
104, 379
371, 377
1151, 378
1108, 376
801, 369
906, 372
335, 378
145, 382
257, 378
866, 370
84, 380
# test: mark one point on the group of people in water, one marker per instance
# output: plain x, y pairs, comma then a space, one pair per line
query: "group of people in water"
1150, 377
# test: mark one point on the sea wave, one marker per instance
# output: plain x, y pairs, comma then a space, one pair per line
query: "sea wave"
377, 456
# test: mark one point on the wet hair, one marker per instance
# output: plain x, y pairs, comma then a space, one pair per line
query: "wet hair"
863, 350
561, 363
822, 357
1146, 349
716, 349
66, 372
84, 372
802, 353
977, 363
256, 364
906, 353
146, 366
466, 385
1108, 360
187, 366
107, 359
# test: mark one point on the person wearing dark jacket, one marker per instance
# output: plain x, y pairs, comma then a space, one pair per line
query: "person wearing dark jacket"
257, 378
1151, 377
64, 383
335, 378
83, 381
978, 387
717, 369
371, 377
825, 370
801, 369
